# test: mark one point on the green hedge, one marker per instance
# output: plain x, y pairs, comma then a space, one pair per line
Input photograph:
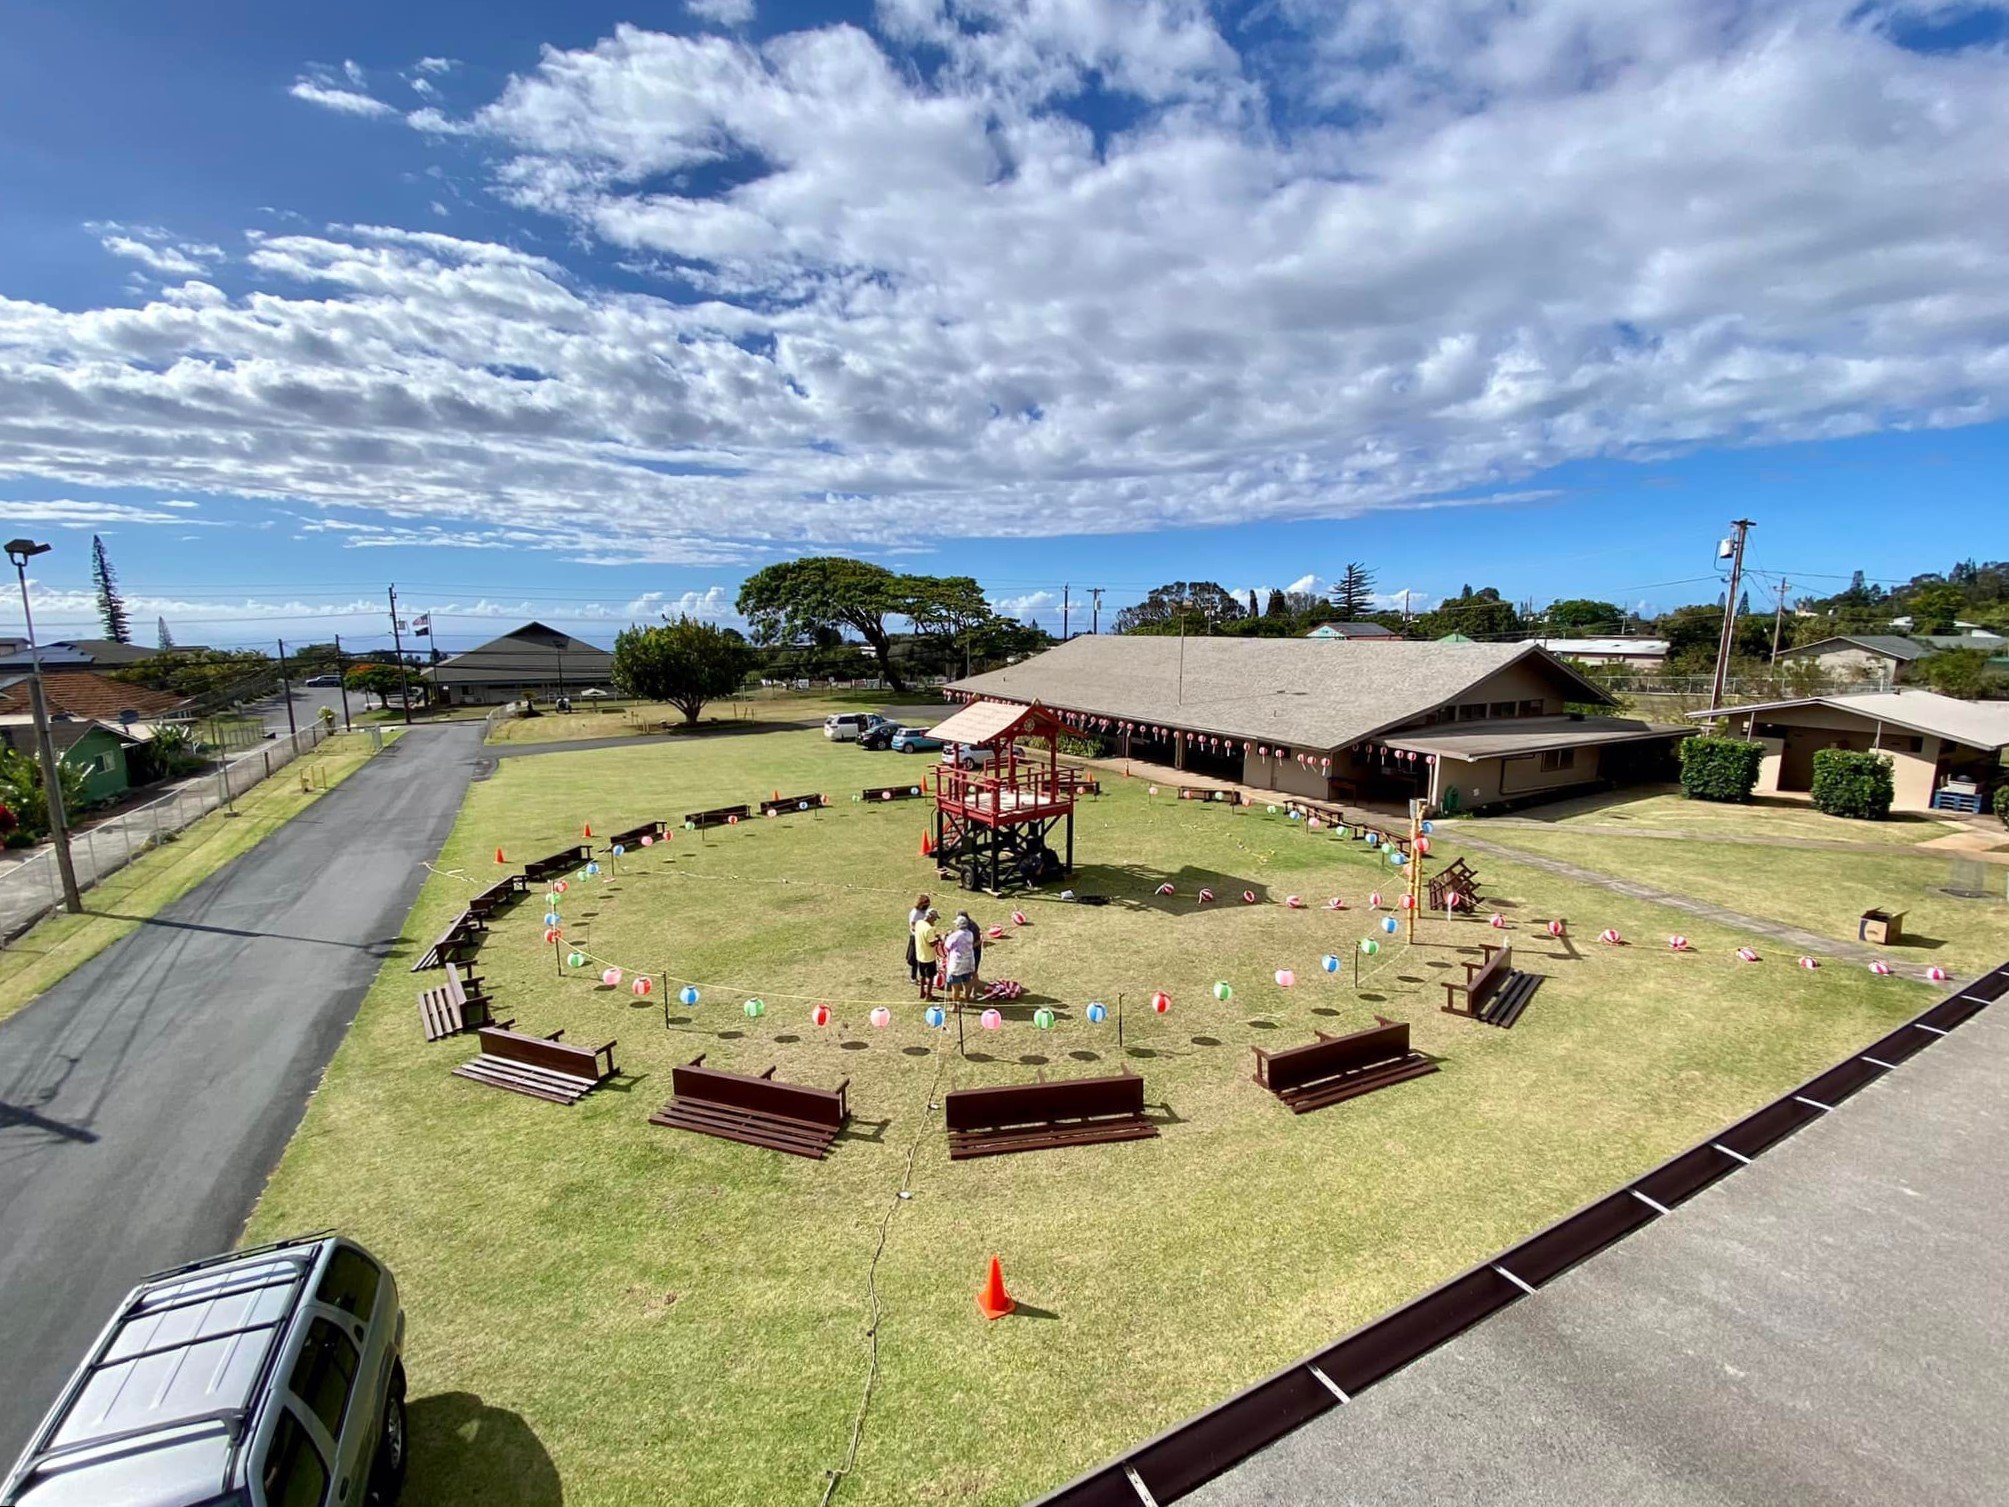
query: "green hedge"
2002, 804
1719, 769
1847, 783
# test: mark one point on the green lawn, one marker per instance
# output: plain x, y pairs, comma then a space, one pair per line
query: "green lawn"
1667, 810
52, 947
633, 1315
1823, 892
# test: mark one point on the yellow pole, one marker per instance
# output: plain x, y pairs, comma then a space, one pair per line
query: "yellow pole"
1415, 866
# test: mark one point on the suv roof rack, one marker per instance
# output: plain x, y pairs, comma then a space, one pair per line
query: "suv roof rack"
237, 1255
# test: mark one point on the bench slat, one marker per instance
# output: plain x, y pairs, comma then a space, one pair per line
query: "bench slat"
1336, 1091
745, 1126
965, 1144
504, 1075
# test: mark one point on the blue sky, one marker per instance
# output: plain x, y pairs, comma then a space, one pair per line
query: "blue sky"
531, 311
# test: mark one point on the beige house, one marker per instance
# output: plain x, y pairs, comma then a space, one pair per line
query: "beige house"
1461, 725
1935, 742
1860, 658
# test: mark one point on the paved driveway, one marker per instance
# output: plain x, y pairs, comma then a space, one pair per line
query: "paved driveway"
144, 1099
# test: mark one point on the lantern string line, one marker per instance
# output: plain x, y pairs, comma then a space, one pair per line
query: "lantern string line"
836, 1477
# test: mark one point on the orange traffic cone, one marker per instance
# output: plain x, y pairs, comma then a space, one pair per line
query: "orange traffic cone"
498, 856
994, 1300
777, 792
927, 846
589, 829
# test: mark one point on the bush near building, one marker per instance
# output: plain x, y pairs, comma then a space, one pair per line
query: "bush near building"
1719, 769
1848, 783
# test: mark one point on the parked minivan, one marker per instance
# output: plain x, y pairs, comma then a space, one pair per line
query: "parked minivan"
846, 726
271, 1377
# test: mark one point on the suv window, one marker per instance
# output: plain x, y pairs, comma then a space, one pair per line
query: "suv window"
295, 1474
325, 1373
350, 1283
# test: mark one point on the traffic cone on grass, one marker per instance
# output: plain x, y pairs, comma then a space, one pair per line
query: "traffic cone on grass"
589, 829
994, 1300
498, 856
927, 845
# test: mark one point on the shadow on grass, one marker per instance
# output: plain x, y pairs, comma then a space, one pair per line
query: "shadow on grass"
465, 1450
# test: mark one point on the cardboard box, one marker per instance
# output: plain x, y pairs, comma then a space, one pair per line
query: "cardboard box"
1884, 926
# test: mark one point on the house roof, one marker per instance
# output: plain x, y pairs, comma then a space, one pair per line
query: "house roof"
986, 722
18, 730
1309, 693
1991, 642
85, 693
1529, 735
1890, 645
1644, 647
1978, 724
1353, 630
533, 652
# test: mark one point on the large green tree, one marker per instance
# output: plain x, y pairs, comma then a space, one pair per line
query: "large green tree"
111, 606
791, 602
1353, 592
1189, 606
949, 611
686, 663
1583, 617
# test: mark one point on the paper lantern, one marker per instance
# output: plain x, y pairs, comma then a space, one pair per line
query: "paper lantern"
1272, 810
1936, 974
1397, 857
994, 932
937, 1017
1677, 943
690, 826
1556, 927
642, 986
552, 918
611, 977
1747, 954
1248, 897
1329, 963
880, 1017
1452, 900
1374, 900
1042, 1019
1067, 894
1427, 828
1408, 902
619, 849
1154, 790
1097, 1012
1610, 937
1164, 889
592, 869
552, 934
1369, 946
1285, 978
819, 1015
1295, 902
1160, 1002
1223, 993
1335, 903
1374, 839
1807, 962
1388, 925
1423, 846
885, 795
560, 885
802, 805
1314, 824
1880, 968
688, 994
648, 842
1018, 918
990, 1020
1497, 921
1206, 897
575, 960
755, 1008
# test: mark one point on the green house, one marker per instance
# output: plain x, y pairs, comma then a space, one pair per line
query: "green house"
97, 748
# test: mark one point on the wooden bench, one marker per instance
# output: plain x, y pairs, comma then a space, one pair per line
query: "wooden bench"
1455, 878
1041, 1116
891, 792
1493, 991
784, 805
503, 892
558, 865
1196, 793
457, 944
717, 818
787, 1117
632, 838
544, 1067
1336, 1068
460, 1004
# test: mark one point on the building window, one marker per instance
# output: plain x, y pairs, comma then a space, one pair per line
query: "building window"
1472, 712
1502, 709
1555, 759
1531, 708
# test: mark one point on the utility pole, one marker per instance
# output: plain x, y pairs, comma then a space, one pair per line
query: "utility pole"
1095, 613
1779, 618
21, 551
342, 674
1405, 606
1063, 614
404, 676
286, 690
1734, 547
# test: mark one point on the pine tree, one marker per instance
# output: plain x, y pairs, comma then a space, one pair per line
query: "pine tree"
1744, 604
1353, 596
111, 606
166, 638
1275, 607
1252, 601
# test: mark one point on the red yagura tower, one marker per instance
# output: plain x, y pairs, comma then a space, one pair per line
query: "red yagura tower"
992, 823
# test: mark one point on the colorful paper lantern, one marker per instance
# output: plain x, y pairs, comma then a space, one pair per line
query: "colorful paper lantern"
1272, 810
755, 1008
1936, 974
1369, 946
819, 1015
1335, 903
994, 932
1428, 828
880, 1017
592, 870
552, 918
1747, 954
1018, 918
990, 1020
1388, 925
1408, 902
1223, 992
1164, 889
1314, 824
1807, 962
552, 934
1423, 846
619, 849
575, 960
1452, 900
1248, 897
1097, 1012
1497, 921
611, 977
1374, 900
1374, 839
1880, 968
1160, 1002
560, 886
1677, 943
1042, 1019
1610, 937
1397, 857
1206, 897
1329, 963
936, 1017
1285, 978
1154, 790
1557, 927
642, 986
648, 842
1295, 902
688, 994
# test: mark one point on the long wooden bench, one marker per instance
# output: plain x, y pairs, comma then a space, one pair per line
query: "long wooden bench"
718, 817
789, 1117
544, 1067
1455, 878
891, 792
457, 944
1202, 793
505, 891
1042, 1116
1336, 1068
1494, 991
783, 805
459, 1004
632, 838
558, 864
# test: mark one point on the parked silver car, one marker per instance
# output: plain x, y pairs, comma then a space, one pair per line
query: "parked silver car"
271, 1377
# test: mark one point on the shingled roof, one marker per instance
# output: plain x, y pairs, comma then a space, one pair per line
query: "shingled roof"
1309, 693
86, 694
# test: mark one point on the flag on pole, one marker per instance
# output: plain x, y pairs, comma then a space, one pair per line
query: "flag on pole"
422, 624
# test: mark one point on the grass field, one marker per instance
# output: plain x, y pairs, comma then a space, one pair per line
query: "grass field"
637, 717
52, 947
604, 1312
1667, 810
1822, 892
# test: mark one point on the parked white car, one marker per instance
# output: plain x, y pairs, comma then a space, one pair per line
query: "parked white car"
970, 756
846, 726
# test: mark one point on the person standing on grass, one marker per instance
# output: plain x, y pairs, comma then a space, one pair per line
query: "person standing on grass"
964, 920
914, 918
959, 963
927, 948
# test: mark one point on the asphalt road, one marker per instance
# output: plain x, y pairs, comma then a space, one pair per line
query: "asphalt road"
145, 1099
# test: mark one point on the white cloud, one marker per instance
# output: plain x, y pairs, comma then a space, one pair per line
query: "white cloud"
333, 97
1308, 585
1033, 604
436, 65
714, 604
63, 512
1381, 256
183, 260
353, 73
721, 12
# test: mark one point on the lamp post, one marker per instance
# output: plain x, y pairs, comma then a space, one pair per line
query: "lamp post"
21, 551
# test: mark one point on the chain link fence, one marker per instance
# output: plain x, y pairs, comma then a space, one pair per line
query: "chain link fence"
31, 889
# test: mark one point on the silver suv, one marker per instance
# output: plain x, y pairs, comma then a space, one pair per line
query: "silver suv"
271, 1377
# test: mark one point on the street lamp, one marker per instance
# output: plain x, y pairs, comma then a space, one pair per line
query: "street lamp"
21, 551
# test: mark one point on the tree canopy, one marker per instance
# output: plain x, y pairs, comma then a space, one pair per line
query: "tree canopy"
1353, 593
686, 663
1584, 617
1194, 606
111, 606
792, 601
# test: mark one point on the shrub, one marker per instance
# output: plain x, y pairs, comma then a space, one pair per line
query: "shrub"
2002, 805
1719, 769
1847, 783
